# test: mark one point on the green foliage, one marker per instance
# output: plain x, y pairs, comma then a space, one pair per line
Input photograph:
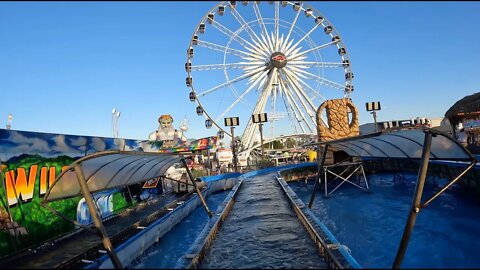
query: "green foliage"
119, 202
155, 144
290, 143
277, 145
40, 223
265, 163
198, 173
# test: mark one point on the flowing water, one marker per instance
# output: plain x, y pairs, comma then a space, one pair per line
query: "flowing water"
446, 233
175, 243
262, 231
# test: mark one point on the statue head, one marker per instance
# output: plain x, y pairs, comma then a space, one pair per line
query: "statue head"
165, 120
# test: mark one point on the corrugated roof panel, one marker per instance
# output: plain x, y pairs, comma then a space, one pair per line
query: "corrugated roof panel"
401, 144
111, 169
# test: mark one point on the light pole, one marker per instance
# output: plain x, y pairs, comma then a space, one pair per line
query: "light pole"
260, 118
373, 107
115, 116
9, 124
113, 122
117, 123
232, 122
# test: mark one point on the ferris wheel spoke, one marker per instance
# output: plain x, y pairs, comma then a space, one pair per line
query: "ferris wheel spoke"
291, 28
230, 82
274, 42
221, 48
280, 42
302, 64
290, 110
307, 104
289, 50
319, 79
239, 65
295, 56
277, 23
241, 97
220, 27
262, 48
243, 23
250, 129
259, 18
293, 105
294, 91
268, 43
271, 42
293, 80
315, 93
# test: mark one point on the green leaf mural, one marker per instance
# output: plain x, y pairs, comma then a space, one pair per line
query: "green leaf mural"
40, 222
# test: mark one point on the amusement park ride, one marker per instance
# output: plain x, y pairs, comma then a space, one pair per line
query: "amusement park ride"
277, 57
245, 58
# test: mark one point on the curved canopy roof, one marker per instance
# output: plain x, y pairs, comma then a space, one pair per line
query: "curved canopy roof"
402, 144
466, 105
110, 169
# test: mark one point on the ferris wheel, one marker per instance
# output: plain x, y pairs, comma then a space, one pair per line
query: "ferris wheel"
276, 57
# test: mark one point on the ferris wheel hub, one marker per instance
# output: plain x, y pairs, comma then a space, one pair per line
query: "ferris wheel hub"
278, 60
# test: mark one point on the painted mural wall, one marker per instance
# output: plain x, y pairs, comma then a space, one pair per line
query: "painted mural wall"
30, 161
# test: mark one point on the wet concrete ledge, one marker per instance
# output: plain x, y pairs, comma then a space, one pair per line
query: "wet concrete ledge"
335, 254
135, 246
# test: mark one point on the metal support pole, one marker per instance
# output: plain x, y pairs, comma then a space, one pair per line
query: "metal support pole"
422, 173
375, 120
319, 173
209, 164
234, 149
9, 211
260, 128
96, 218
196, 188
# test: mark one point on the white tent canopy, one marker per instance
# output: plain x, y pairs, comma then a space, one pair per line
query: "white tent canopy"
401, 144
110, 169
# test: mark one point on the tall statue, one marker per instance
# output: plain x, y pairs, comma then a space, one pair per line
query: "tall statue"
166, 133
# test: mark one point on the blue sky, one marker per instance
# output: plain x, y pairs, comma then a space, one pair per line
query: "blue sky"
65, 65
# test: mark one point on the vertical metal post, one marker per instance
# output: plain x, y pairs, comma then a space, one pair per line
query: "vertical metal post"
196, 188
209, 164
260, 128
234, 149
319, 173
375, 120
2, 178
422, 173
96, 218
131, 197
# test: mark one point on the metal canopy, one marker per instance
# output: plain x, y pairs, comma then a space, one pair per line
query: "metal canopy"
110, 169
401, 144
423, 144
